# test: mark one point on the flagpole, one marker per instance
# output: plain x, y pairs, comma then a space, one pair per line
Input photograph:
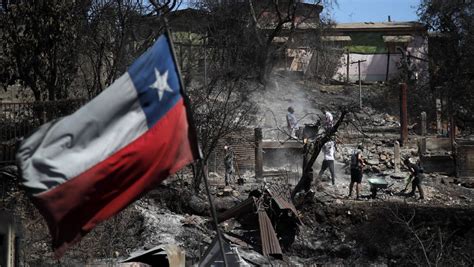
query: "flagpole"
199, 151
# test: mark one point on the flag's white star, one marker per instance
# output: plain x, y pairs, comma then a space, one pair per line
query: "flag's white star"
161, 83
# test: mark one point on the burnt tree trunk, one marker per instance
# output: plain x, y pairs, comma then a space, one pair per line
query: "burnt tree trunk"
306, 179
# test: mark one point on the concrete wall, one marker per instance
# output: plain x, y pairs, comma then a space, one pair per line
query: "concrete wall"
244, 152
438, 163
373, 69
465, 159
436, 155
436, 145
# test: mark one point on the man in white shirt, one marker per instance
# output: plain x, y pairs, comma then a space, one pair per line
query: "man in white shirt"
328, 162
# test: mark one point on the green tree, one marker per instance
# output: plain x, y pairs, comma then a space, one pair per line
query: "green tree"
451, 54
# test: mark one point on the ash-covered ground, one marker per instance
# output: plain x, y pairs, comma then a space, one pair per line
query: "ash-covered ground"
389, 230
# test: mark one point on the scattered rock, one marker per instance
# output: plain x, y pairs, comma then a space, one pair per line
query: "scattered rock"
375, 169
398, 175
227, 191
373, 162
382, 167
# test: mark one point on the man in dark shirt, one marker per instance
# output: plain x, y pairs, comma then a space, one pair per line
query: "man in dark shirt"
416, 177
357, 167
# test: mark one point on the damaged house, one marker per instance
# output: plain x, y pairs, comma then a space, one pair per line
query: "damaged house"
379, 46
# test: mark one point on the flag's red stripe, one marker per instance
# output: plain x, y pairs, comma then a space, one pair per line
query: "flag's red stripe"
75, 207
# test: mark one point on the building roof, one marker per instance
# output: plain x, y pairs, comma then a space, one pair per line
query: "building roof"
397, 38
336, 38
379, 26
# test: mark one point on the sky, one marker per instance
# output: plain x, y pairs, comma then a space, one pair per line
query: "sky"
374, 10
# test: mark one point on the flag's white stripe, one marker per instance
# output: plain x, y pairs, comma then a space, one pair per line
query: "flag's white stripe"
61, 150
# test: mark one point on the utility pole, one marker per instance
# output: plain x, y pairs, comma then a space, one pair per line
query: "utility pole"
347, 66
360, 80
405, 60
360, 85
205, 63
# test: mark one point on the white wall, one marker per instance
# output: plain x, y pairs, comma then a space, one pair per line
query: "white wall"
373, 69
375, 66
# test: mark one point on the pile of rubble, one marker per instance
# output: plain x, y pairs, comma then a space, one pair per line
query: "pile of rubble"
370, 118
378, 155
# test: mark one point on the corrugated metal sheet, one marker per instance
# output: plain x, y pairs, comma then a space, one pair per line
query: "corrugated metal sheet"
282, 203
269, 239
243, 207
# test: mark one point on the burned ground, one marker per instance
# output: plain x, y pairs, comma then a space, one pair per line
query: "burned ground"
390, 230
386, 233
335, 230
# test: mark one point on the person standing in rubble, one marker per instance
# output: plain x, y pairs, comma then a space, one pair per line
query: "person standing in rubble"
357, 167
416, 178
292, 123
228, 164
328, 120
328, 162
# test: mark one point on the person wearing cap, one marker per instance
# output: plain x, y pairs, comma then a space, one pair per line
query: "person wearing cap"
292, 123
416, 178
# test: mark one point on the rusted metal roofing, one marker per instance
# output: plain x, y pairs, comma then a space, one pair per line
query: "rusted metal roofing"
284, 204
269, 239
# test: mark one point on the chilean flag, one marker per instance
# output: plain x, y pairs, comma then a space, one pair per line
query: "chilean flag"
86, 167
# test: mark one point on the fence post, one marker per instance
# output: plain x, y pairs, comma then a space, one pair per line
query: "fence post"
439, 129
396, 153
423, 123
258, 153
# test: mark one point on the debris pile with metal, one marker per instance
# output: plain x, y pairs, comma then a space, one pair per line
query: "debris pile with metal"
266, 221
